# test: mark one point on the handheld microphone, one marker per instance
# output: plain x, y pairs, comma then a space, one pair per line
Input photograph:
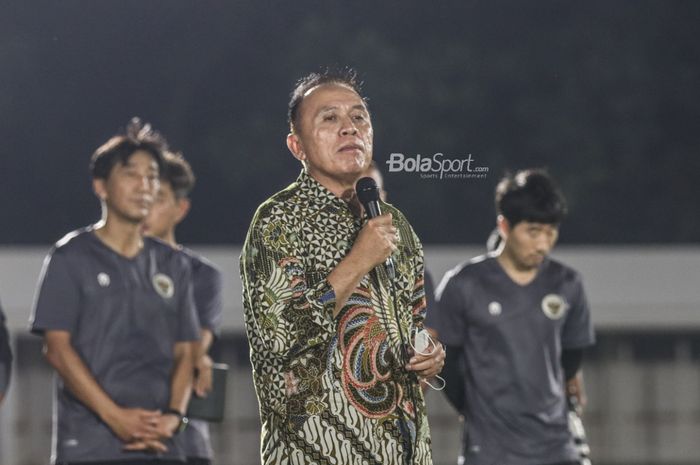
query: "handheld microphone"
368, 195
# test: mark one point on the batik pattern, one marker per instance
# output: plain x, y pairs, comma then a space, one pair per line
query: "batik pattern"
330, 390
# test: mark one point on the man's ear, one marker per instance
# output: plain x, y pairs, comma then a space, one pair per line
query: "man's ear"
183, 208
503, 226
99, 188
295, 146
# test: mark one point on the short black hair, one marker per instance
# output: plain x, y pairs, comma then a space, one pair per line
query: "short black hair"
119, 148
342, 76
178, 173
530, 195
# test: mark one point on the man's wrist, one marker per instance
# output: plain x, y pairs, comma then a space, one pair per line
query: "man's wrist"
204, 362
182, 420
108, 413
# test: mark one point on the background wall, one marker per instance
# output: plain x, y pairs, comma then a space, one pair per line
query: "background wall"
602, 93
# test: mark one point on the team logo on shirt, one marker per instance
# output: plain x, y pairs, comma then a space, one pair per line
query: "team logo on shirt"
495, 308
554, 306
103, 279
163, 285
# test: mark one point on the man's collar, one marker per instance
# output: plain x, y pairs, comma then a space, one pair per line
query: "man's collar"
320, 197
315, 190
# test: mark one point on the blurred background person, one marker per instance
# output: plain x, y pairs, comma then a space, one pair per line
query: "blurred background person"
117, 315
5, 357
521, 321
171, 206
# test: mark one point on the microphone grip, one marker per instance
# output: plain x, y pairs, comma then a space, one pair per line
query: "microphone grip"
373, 209
390, 268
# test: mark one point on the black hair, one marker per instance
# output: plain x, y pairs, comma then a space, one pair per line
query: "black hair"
342, 76
119, 148
178, 173
530, 195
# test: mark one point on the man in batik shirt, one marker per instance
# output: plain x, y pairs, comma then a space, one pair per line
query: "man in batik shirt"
327, 328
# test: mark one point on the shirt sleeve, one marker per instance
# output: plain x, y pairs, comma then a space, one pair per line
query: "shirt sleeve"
188, 324
208, 297
447, 318
287, 305
577, 331
57, 301
5, 355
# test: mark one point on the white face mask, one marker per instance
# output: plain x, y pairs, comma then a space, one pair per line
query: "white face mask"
423, 344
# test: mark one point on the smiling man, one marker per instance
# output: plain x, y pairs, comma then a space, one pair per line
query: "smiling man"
117, 315
519, 321
327, 329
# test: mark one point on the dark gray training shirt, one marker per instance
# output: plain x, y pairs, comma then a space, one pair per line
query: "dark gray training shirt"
512, 337
125, 316
208, 298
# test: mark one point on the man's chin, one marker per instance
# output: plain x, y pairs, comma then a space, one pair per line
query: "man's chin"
136, 218
351, 174
355, 162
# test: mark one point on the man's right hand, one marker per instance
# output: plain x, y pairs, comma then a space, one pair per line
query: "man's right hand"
134, 424
376, 242
130, 425
151, 445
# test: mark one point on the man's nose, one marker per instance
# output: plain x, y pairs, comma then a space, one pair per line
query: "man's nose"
543, 244
146, 183
348, 127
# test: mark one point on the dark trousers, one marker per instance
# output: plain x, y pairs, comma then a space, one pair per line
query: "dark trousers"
190, 461
560, 463
195, 461
128, 462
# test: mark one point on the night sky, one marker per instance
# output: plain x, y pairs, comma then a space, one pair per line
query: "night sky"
605, 95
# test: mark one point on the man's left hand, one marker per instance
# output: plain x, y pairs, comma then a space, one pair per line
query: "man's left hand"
203, 382
427, 366
574, 387
166, 424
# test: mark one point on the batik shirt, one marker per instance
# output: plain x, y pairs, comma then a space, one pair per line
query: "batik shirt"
331, 390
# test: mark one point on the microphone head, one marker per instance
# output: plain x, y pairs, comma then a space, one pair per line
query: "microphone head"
367, 191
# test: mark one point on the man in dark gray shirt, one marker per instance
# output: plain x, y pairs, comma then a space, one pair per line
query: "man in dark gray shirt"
171, 206
117, 314
5, 357
520, 321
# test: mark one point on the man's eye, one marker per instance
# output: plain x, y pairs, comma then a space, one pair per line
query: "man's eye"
329, 118
359, 117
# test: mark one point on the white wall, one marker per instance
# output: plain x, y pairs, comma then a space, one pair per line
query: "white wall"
627, 286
